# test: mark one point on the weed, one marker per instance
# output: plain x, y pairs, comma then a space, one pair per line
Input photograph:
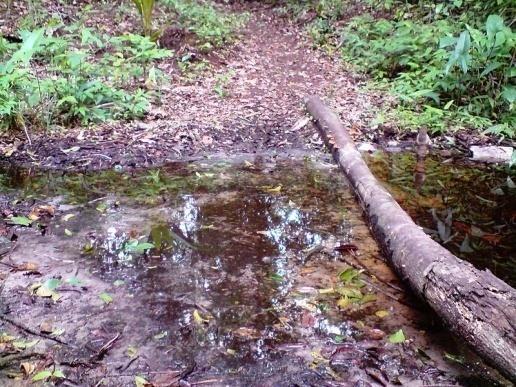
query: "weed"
222, 81
212, 27
449, 66
44, 80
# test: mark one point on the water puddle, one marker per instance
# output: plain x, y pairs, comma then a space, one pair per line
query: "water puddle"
469, 209
258, 272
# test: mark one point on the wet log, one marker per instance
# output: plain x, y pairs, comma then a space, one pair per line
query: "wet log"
476, 305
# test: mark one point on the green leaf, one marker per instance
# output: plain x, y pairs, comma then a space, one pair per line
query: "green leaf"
144, 246
58, 374
52, 283
509, 94
106, 298
42, 375
490, 67
447, 41
74, 281
494, 24
24, 344
348, 275
397, 337
19, 221
139, 381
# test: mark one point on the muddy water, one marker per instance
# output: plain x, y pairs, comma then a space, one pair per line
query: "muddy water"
468, 208
259, 272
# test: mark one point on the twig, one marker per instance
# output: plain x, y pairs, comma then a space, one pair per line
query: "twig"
26, 133
105, 348
19, 356
32, 332
128, 364
364, 267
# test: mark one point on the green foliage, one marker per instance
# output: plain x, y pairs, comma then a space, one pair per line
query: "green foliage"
450, 63
212, 27
48, 80
145, 8
221, 85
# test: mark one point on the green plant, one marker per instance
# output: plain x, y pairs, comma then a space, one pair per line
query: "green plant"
222, 82
447, 64
212, 27
74, 85
480, 68
145, 8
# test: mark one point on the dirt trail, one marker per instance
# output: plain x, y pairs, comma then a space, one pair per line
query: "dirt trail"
264, 76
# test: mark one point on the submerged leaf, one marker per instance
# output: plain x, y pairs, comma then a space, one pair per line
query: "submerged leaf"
381, 313
348, 274
397, 337
42, 375
19, 221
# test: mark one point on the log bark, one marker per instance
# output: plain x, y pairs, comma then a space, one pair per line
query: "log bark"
474, 304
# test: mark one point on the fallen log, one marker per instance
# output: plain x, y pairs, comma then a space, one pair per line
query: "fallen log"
474, 304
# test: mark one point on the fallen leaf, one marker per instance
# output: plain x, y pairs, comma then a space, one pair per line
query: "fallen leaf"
131, 351
160, 335
67, 217
249, 333
27, 368
397, 337
198, 318
28, 266
58, 332
139, 381
71, 150
381, 313
276, 189
46, 327
301, 123
106, 298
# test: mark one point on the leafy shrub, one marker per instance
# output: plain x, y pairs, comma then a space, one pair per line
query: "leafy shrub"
212, 27
445, 61
44, 80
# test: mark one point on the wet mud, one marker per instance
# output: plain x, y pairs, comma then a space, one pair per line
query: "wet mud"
255, 272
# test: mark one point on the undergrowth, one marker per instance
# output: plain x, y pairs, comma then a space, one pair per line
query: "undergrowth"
64, 69
451, 64
211, 27
79, 77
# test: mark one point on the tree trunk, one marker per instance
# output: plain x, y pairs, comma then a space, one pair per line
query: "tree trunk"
474, 304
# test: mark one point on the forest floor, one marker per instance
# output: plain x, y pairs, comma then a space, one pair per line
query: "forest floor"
115, 313
250, 99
